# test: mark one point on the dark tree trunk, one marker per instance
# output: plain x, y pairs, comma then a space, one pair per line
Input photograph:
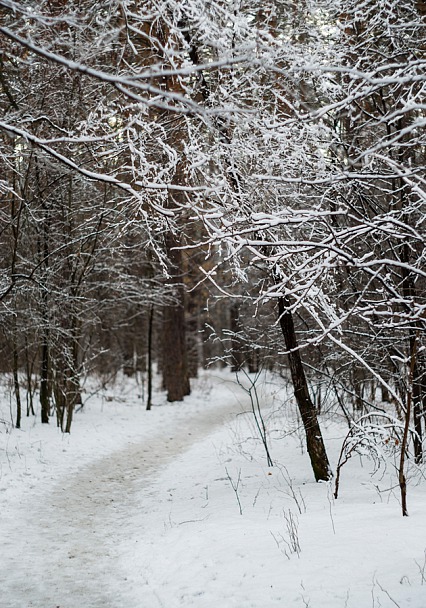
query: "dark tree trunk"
237, 354
73, 389
175, 350
417, 400
404, 443
253, 361
385, 394
44, 380
70, 413
409, 291
73, 397
314, 441
175, 366
149, 363
15, 217
358, 389
192, 335
16, 386
29, 372
59, 395
45, 390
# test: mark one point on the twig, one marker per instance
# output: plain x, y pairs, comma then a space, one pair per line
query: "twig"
257, 413
235, 487
293, 533
422, 568
387, 593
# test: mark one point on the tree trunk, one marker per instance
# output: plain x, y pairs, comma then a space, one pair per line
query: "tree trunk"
175, 351
237, 354
149, 363
44, 380
16, 386
417, 400
73, 396
59, 394
192, 334
404, 443
44, 253
73, 389
314, 441
409, 291
175, 367
29, 372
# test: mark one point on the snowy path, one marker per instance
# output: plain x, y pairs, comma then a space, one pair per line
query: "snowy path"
138, 510
62, 549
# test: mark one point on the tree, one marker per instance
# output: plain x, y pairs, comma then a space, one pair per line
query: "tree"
339, 218
293, 134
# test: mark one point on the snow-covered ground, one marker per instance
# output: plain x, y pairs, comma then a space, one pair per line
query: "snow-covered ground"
176, 508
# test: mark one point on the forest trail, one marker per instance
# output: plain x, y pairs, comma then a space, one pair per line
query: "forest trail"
66, 555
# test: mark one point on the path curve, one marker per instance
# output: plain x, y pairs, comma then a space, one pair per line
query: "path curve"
80, 525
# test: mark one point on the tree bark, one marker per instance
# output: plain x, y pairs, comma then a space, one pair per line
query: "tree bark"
44, 379
16, 385
175, 366
409, 292
149, 362
417, 400
29, 372
314, 441
404, 443
237, 354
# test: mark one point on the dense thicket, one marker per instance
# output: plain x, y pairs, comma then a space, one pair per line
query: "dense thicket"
271, 153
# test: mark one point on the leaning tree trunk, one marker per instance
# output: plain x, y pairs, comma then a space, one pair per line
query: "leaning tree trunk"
314, 441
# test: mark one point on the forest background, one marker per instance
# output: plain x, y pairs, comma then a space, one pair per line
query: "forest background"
236, 182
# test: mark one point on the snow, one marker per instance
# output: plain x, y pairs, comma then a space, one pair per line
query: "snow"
137, 509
